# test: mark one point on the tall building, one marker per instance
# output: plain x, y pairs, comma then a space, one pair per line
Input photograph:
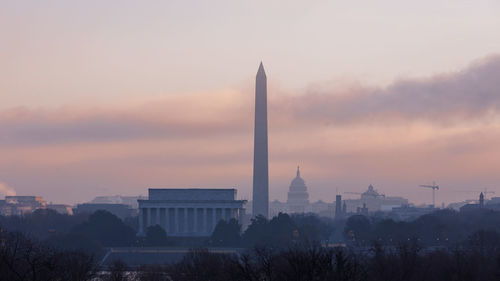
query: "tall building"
298, 198
260, 156
481, 200
338, 206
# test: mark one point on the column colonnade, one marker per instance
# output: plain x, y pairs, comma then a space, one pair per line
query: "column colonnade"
187, 221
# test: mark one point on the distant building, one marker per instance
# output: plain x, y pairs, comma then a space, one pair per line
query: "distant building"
276, 207
298, 198
338, 206
457, 205
362, 210
21, 205
120, 210
374, 202
5, 210
323, 209
493, 200
492, 204
33, 201
189, 212
119, 199
469, 207
406, 212
61, 209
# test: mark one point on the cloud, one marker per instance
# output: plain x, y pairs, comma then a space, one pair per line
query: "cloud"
6, 190
470, 94
449, 99
441, 128
169, 117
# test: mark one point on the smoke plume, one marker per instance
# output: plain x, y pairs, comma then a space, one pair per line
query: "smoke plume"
6, 190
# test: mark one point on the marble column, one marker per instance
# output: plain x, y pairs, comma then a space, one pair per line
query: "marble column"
214, 219
148, 218
176, 220
195, 219
186, 224
204, 222
154, 216
234, 214
241, 216
166, 220
141, 224
162, 218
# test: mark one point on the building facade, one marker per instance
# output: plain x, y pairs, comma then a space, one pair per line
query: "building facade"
118, 199
21, 205
62, 209
374, 202
120, 210
189, 212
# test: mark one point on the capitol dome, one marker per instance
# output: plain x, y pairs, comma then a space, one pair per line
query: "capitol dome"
298, 183
298, 198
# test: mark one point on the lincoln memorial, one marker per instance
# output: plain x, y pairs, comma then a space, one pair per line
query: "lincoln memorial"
189, 212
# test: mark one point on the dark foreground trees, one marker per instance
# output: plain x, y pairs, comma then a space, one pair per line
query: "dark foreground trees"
477, 258
24, 259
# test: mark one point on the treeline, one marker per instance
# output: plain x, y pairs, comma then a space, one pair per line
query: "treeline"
26, 259
92, 233
280, 231
441, 228
22, 258
405, 262
88, 233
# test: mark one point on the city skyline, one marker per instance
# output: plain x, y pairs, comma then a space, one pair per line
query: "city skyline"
87, 111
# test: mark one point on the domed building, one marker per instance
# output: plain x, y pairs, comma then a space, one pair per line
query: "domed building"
298, 198
371, 193
372, 201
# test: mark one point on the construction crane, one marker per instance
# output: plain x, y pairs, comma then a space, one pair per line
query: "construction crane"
434, 187
348, 192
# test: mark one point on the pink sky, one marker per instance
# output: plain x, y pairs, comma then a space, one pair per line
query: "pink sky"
104, 99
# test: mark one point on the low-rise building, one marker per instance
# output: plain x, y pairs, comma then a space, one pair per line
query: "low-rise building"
61, 208
21, 205
374, 201
189, 212
119, 199
120, 210
407, 212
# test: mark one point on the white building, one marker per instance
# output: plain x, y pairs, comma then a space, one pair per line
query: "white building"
21, 205
374, 201
298, 198
189, 212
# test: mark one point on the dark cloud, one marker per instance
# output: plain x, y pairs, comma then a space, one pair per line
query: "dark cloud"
464, 95
467, 95
23, 126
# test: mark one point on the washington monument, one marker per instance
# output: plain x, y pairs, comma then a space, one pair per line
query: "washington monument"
260, 158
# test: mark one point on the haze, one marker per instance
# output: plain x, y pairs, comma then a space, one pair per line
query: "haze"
112, 98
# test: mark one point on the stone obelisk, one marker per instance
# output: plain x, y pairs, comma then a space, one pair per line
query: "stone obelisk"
260, 157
